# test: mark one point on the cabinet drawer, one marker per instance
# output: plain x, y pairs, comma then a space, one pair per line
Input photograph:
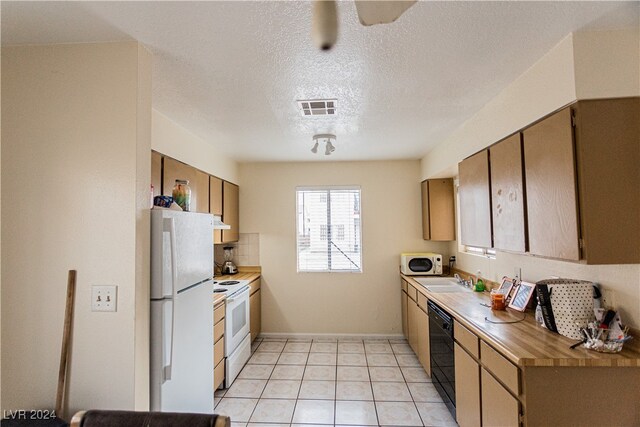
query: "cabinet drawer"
404, 285
504, 370
218, 313
218, 374
218, 330
218, 352
422, 302
255, 285
467, 339
412, 292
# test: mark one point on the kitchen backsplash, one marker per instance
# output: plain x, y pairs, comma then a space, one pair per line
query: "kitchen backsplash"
246, 250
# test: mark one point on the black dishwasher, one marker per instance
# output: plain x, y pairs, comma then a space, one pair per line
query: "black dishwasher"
441, 352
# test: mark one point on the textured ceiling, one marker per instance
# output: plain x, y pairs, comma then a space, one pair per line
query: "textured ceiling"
230, 72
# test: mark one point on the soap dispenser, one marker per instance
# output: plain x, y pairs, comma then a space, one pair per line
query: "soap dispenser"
479, 287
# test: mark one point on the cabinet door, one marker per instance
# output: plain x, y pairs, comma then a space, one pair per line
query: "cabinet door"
403, 302
426, 230
198, 182
499, 407
475, 201
255, 317
231, 212
608, 155
551, 187
156, 173
215, 203
467, 389
413, 324
441, 209
507, 195
424, 355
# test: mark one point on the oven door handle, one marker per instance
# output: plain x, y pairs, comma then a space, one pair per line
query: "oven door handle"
239, 295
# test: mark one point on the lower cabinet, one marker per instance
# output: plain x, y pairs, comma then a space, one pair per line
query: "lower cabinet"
467, 389
415, 323
255, 309
218, 346
499, 407
422, 323
403, 305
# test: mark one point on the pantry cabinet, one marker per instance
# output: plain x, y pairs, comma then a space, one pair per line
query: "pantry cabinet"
231, 212
507, 195
475, 201
198, 182
438, 212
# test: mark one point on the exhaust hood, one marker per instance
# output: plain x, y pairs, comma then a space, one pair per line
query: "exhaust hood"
218, 224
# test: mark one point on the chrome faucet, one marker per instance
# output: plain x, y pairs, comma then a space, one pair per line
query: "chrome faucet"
465, 283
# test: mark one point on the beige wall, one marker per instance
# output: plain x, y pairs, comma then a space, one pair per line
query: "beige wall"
339, 303
548, 85
583, 65
607, 63
75, 170
168, 137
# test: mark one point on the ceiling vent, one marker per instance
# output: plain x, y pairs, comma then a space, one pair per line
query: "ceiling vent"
318, 107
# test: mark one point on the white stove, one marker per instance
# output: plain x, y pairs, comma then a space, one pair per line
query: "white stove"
229, 287
237, 337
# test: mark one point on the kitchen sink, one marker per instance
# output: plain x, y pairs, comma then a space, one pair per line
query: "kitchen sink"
441, 284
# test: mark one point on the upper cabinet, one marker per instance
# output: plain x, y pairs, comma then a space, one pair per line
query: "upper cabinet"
568, 190
607, 135
438, 214
209, 194
475, 201
231, 213
215, 203
198, 182
551, 187
507, 195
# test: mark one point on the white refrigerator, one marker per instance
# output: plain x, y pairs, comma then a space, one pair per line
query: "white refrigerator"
181, 312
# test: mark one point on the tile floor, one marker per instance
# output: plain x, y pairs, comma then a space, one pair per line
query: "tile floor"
340, 382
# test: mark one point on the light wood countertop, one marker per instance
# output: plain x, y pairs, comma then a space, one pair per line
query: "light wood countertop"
524, 343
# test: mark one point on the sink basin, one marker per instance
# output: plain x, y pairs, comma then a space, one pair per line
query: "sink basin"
441, 284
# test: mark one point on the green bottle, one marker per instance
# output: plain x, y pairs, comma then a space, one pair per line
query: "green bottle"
479, 284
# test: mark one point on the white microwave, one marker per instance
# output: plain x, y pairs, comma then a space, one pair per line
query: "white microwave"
421, 264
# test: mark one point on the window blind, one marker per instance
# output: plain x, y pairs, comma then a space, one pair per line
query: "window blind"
328, 229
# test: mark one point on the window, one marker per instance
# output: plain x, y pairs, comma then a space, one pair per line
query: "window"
329, 236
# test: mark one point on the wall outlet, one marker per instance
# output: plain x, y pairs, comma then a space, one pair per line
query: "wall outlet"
608, 298
104, 298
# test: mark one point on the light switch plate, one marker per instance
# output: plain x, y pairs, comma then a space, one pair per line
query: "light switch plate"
104, 298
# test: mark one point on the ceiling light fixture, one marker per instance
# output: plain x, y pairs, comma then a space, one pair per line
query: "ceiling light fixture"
329, 148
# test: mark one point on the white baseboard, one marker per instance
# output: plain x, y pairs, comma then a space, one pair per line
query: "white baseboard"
302, 335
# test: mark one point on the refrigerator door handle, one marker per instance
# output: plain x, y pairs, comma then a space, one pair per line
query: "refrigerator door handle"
167, 335
169, 226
